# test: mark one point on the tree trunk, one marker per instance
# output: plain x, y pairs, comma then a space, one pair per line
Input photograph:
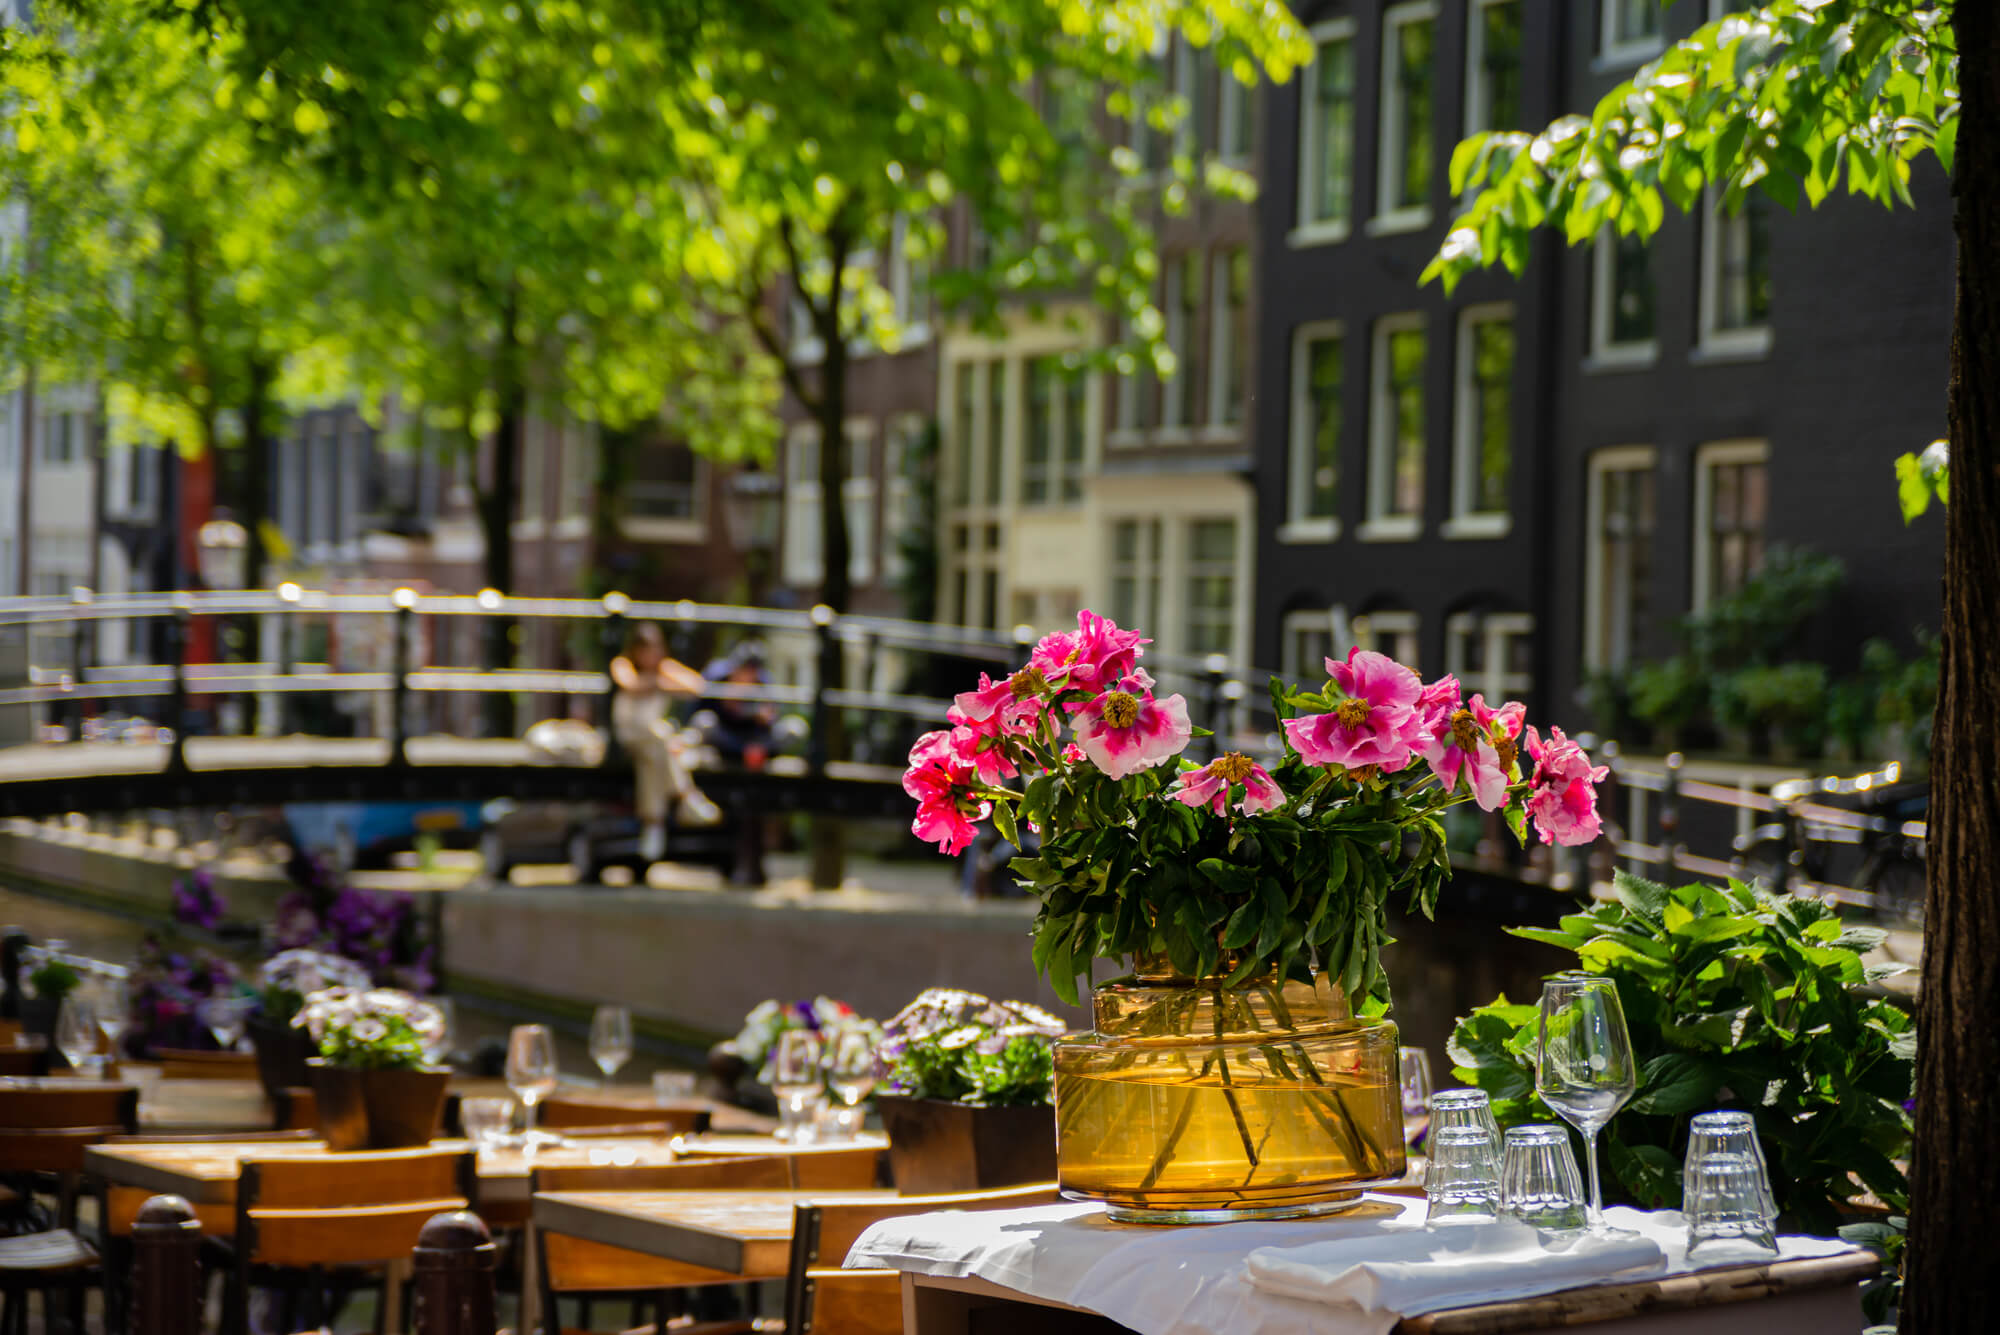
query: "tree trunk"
829, 852
1955, 1176
497, 507
253, 498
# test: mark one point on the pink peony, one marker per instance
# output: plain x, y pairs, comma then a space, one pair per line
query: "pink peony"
1091, 657
1009, 707
941, 780
1209, 785
1479, 743
989, 756
1072, 754
1377, 724
1126, 730
1562, 799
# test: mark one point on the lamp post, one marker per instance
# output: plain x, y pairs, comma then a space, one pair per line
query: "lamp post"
751, 502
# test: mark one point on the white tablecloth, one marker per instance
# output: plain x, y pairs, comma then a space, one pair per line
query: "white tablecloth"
1199, 1280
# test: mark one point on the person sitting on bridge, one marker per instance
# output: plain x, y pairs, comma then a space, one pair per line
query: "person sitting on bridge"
645, 674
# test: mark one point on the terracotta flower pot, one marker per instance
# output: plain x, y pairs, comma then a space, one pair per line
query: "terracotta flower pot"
282, 1054
937, 1147
377, 1109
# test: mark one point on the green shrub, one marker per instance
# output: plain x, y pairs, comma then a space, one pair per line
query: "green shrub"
1790, 699
1669, 694
1736, 999
54, 980
1760, 621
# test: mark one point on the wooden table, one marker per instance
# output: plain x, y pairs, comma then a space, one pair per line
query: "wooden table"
712, 1146
747, 1233
1805, 1297
169, 1106
638, 1098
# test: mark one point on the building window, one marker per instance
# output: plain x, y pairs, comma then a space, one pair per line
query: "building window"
1389, 632
909, 282
1491, 653
996, 434
1235, 103
1493, 66
964, 413
1135, 572
1736, 278
1183, 301
857, 494
802, 512
1621, 302
1629, 30
1053, 440
1483, 423
1189, 90
1730, 505
1305, 643
1229, 342
668, 486
1318, 380
62, 437
1073, 437
1409, 58
1209, 616
1396, 429
902, 508
1618, 556
1128, 384
1326, 137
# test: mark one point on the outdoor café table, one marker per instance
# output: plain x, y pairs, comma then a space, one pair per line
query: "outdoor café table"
1060, 1269
168, 1106
747, 1233
638, 1098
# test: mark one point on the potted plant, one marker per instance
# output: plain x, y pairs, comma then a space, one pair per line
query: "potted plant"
969, 1100
1242, 1070
755, 1047
370, 1081
283, 984
49, 984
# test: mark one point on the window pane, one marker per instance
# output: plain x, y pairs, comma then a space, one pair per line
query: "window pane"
1500, 65
1039, 444
1634, 20
1625, 556
1743, 265
1414, 58
1492, 382
1235, 115
1405, 491
1631, 291
1333, 188
1737, 502
1211, 585
1076, 415
1323, 403
1236, 379
964, 406
996, 431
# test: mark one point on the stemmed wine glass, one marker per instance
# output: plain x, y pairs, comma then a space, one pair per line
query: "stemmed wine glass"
226, 1018
611, 1039
531, 1073
76, 1033
438, 1050
1415, 1065
850, 1068
797, 1079
114, 1007
1583, 1065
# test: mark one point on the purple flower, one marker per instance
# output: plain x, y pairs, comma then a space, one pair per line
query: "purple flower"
197, 902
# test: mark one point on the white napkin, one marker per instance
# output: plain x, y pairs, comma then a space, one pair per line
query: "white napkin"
1411, 1270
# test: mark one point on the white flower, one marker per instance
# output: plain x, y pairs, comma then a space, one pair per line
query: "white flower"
368, 1029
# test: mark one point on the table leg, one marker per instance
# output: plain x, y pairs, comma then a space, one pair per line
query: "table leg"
530, 1318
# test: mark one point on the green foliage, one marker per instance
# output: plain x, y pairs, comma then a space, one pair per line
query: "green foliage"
1786, 99
1760, 622
1880, 1296
951, 1066
1669, 694
1788, 697
1922, 477
399, 1048
1735, 999
53, 980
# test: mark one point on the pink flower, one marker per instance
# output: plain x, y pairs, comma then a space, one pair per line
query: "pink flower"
941, 780
1477, 742
1126, 730
1091, 657
1562, 800
1072, 754
990, 757
1436, 703
1209, 785
1377, 724
1009, 707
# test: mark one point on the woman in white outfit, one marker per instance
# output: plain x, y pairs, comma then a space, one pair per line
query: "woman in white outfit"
645, 676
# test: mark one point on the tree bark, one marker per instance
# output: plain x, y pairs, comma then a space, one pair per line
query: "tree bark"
253, 498
498, 503
1955, 1177
829, 852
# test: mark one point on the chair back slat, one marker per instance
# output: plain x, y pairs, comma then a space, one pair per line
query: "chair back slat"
559, 1114
24, 1061
356, 1235
338, 1181
855, 1169
573, 1265
851, 1302
195, 1064
70, 1105
53, 1150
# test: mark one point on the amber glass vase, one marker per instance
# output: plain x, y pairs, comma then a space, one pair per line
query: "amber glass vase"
1198, 1103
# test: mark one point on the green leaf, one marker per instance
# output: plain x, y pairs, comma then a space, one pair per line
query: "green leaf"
1242, 926
1547, 937
1945, 145
1717, 929
1003, 821
1648, 1172
1646, 898
1674, 1084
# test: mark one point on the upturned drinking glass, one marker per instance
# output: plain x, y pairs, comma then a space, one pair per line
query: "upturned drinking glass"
1724, 1200
1463, 1182
1729, 1133
1463, 1107
1584, 1068
1539, 1184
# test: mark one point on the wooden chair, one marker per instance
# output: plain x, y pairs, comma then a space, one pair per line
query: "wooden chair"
300, 1220
573, 1115
24, 1061
44, 1132
589, 1271
193, 1064
823, 1299
856, 1168
295, 1109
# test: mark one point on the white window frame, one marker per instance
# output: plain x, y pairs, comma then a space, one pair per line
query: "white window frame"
1475, 64
1183, 78
905, 291
1604, 354
1175, 397
1614, 459
1706, 457
1616, 50
1331, 621
901, 433
1392, 631
1378, 525
1389, 133
1496, 628
1181, 558
1300, 526
1751, 341
1222, 340
1308, 229
1466, 521
1125, 428
1235, 113
801, 562
660, 528
857, 491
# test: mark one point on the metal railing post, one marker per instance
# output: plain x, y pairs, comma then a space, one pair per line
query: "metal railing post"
179, 630
452, 1277
79, 658
823, 618
405, 602
1670, 817
611, 638
288, 650
167, 1292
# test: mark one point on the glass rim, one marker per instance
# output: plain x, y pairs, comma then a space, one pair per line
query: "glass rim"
1460, 1094
1722, 1117
1461, 1135
1537, 1133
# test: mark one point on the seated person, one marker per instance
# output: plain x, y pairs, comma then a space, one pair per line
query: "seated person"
645, 676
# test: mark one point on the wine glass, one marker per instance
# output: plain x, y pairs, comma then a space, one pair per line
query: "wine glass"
531, 1072
226, 1018
797, 1079
1415, 1065
114, 1010
438, 1049
850, 1068
611, 1039
1583, 1065
76, 1032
